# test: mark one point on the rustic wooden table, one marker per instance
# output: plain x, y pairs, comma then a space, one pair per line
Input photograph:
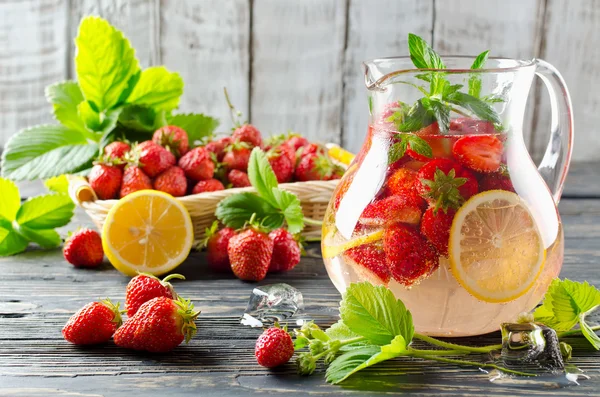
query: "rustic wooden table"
39, 291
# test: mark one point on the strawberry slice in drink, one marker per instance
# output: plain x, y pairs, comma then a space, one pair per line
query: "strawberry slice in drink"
368, 261
391, 210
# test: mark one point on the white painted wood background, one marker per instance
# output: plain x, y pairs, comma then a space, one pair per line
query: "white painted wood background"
296, 64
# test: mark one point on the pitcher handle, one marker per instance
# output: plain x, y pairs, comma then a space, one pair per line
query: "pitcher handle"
556, 160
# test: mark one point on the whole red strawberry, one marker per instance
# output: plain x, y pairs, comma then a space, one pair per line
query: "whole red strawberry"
94, 323
172, 138
152, 158
249, 134
159, 326
371, 262
145, 287
286, 251
105, 180
296, 141
237, 156
445, 183
436, 225
238, 178
216, 243
313, 167
134, 179
209, 185
288, 151
84, 248
117, 150
274, 347
410, 257
250, 252
171, 181
402, 181
197, 164
281, 164
218, 146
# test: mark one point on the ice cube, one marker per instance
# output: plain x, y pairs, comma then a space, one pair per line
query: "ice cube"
530, 343
271, 303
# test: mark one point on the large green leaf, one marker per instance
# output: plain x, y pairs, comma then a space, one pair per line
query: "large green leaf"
291, 208
197, 126
10, 200
139, 118
234, 211
261, 175
11, 242
47, 238
157, 88
44, 151
105, 63
65, 97
46, 212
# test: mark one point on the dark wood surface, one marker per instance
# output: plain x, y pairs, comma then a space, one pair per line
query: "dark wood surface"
39, 291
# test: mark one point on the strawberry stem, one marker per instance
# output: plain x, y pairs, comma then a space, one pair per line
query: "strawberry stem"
473, 364
454, 346
173, 276
313, 222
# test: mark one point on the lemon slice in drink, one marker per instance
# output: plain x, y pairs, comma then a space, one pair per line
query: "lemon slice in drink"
147, 231
331, 249
496, 250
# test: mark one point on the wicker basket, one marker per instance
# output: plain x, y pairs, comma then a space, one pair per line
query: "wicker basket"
314, 197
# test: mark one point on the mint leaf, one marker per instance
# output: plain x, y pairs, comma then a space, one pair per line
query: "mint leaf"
419, 145
397, 150
441, 112
289, 205
65, 97
261, 175
139, 118
374, 312
46, 212
44, 151
47, 238
480, 108
234, 211
10, 201
157, 88
57, 184
420, 115
105, 63
196, 125
10, 241
353, 361
475, 79
422, 55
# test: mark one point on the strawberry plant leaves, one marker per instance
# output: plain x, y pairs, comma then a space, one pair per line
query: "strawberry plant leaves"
197, 126
235, 210
289, 205
57, 184
105, 62
99, 122
157, 88
65, 97
10, 241
44, 151
374, 313
340, 331
589, 333
46, 211
261, 175
353, 361
47, 238
10, 201
480, 108
139, 118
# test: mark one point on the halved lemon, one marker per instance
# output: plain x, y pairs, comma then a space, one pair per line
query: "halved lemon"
496, 250
147, 231
338, 153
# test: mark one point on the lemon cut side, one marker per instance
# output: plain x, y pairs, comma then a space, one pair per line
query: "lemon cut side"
147, 231
496, 251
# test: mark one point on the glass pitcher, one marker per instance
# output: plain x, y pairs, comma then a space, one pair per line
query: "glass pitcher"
443, 203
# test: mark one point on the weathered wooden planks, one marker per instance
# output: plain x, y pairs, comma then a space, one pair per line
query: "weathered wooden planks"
296, 79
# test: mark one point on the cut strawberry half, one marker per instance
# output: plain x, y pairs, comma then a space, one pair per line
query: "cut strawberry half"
392, 210
368, 261
481, 153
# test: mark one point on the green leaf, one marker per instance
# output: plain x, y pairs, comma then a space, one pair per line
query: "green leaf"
139, 118
480, 108
422, 55
10, 200
157, 88
65, 97
11, 242
44, 151
46, 212
420, 115
419, 145
196, 125
289, 205
397, 150
441, 112
261, 175
480, 61
105, 63
565, 301
57, 184
373, 312
588, 332
475, 79
47, 238
353, 361
98, 122
340, 331
235, 210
